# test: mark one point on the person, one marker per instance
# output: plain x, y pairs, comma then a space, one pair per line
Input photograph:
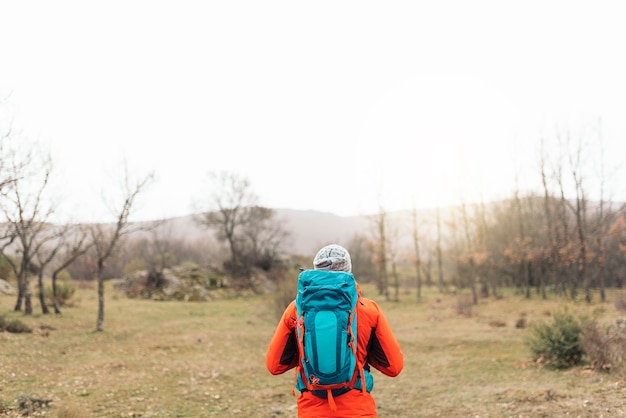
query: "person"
377, 347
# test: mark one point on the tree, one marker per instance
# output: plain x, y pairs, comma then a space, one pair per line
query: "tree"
264, 237
416, 249
251, 232
603, 216
468, 255
26, 209
522, 243
74, 244
617, 232
551, 253
7, 176
106, 237
228, 213
379, 249
45, 251
394, 255
360, 253
580, 214
439, 252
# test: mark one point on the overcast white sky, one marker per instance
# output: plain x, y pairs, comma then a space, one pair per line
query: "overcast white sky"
334, 106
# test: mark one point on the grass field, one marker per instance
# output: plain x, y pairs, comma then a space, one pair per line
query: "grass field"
183, 359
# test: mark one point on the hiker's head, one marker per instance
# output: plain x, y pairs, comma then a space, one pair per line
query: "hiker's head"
333, 257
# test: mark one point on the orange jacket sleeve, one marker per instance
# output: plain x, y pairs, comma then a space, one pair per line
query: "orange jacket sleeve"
383, 350
282, 353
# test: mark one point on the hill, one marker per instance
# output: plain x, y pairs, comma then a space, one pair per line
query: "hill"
309, 230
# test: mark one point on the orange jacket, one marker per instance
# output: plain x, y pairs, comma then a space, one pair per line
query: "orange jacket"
377, 346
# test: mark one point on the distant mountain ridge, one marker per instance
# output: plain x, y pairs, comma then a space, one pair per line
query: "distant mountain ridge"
308, 230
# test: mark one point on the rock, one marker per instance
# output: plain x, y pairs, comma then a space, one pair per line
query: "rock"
6, 288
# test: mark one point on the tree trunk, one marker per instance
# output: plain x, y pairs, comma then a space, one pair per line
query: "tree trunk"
28, 301
57, 309
418, 258
473, 283
601, 268
439, 255
529, 275
542, 279
20, 294
100, 322
396, 282
42, 298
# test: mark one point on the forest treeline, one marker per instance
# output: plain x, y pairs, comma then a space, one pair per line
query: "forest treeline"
566, 236
553, 237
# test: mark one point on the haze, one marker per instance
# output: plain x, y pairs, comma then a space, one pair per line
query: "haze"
337, 107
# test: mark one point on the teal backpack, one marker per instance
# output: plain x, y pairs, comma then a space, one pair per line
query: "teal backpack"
327, 334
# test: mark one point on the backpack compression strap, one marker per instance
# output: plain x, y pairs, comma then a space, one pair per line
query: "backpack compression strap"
353, 345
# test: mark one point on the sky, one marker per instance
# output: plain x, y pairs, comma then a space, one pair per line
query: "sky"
343, 107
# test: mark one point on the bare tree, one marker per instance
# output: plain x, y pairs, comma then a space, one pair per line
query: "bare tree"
394, 256
417, 256
604, 215
469, 251
522, 244
251, 232
380, 250
482, 255
26, 209
264, 237
45, 251
228, 212
7, 175
580, 214
360, 252
106, 237
563, 237
439, 252
551, 253
72, 243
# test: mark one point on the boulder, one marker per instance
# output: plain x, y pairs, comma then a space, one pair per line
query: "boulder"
6, 288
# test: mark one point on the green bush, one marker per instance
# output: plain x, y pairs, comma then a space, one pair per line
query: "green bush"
557, 344
65, 291
16, 326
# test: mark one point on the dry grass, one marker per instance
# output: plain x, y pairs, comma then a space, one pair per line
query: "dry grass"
177, 359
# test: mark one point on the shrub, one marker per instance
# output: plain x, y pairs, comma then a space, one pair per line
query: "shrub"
65, 291
557, 344
605, 346
17, 327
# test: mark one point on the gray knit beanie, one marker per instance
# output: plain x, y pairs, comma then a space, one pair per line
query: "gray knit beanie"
333, 257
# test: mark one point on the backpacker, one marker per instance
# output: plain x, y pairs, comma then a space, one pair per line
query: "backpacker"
327, 333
